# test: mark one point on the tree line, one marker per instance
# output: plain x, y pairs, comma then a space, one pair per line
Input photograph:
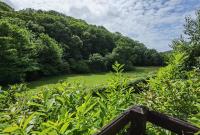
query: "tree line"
36, 43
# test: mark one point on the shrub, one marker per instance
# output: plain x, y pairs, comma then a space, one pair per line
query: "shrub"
80, 66
66, 109
65, 67
174, 91
97, 63
74, 109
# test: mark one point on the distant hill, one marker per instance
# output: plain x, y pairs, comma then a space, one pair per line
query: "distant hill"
41, 43
167, 52
5, 7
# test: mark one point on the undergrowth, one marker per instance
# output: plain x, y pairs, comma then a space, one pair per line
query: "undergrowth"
73, 109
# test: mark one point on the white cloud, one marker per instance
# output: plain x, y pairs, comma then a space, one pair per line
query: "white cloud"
153, 22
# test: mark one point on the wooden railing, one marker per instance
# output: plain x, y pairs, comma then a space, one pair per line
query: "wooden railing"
138, 116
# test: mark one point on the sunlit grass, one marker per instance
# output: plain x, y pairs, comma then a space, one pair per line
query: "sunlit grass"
91, 80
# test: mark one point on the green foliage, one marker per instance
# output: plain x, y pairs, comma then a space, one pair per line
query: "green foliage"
133, 53
166, 57
66, 109
61, 44
49, 55
5, 7
74, 109
34, 27
47, 43
174, 91
175, 69
123, 54
97, 62
80, 66
9, 96
92, 79
191, 46
17, 52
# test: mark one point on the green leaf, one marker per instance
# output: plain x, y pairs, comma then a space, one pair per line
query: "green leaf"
64, 127
90, 108
29, 120
22, 121
45, 131
50, 124
11, 129
34, 104
61, 100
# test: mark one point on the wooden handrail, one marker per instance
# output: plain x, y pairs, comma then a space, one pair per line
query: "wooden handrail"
173, 124
118, 124
138, 117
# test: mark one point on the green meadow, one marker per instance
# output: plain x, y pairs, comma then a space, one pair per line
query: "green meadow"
91, 80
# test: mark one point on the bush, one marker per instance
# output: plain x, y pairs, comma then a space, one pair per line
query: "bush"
74, 109
65, 67
80, 66
65, 109
173, 91
97, 63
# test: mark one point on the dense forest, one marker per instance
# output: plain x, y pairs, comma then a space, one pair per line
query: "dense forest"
42, 43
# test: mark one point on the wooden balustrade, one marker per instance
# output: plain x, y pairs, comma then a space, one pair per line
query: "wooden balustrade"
138, 117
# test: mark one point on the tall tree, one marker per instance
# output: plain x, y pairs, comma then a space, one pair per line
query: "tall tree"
17, 53
49, 55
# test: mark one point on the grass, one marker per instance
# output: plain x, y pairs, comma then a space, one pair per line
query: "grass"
90, 80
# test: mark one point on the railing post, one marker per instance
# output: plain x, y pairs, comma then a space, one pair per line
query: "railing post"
138, 120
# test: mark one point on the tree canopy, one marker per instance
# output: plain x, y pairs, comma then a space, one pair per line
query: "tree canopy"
37, 43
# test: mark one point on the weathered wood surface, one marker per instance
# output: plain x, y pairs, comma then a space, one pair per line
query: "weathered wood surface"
138, 117
114, 127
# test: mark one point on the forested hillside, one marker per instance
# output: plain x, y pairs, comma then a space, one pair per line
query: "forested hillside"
42, 43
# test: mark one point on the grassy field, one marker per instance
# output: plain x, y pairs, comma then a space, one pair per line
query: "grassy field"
91, 80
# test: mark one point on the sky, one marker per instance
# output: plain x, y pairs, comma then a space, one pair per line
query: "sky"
153, 22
